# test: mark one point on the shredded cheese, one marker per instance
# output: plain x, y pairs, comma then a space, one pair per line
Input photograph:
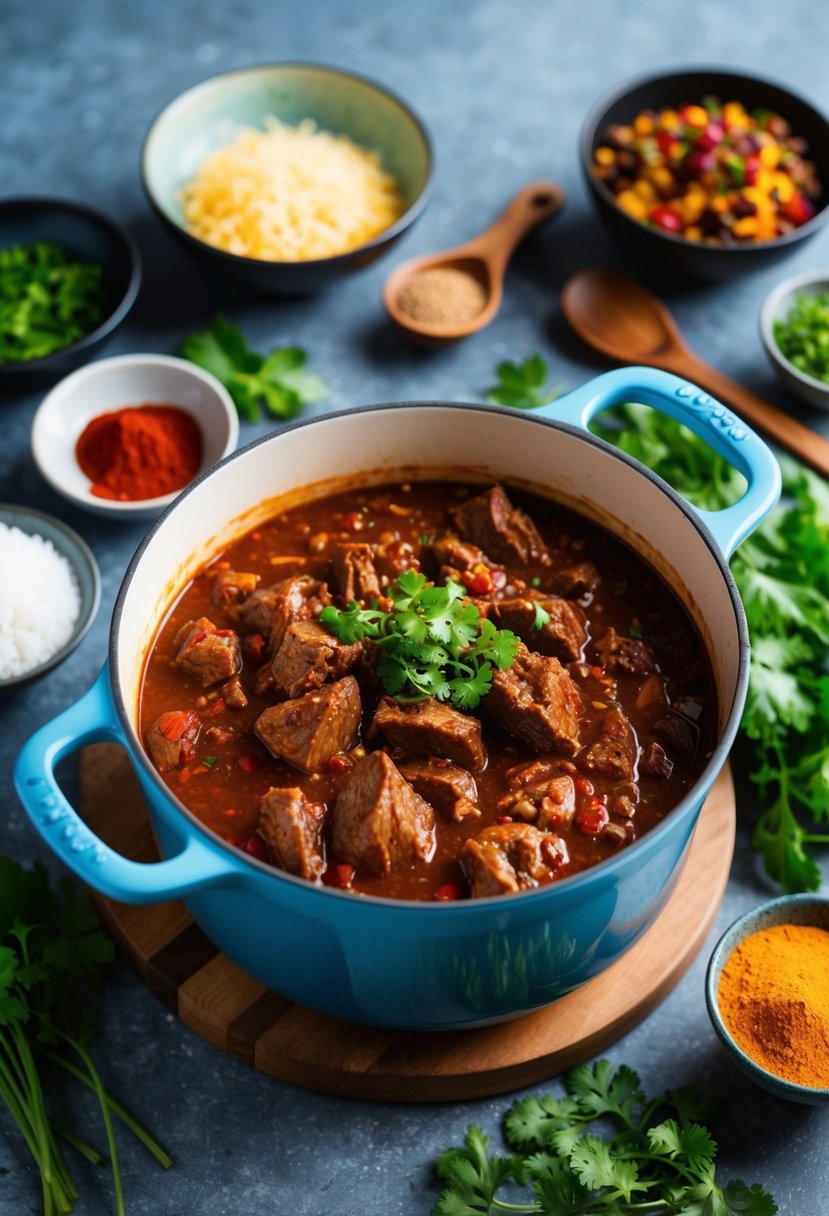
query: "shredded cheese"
290, 194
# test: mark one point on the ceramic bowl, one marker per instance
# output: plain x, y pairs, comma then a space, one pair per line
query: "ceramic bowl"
777, 303
425, 966
208, 116
111, 384
787, 910
660, 89
90, 236
79, 555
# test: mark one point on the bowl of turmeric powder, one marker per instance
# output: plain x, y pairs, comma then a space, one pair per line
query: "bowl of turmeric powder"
767, 992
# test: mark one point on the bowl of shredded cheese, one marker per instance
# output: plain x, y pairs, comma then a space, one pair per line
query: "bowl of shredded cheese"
50, 603
287, 175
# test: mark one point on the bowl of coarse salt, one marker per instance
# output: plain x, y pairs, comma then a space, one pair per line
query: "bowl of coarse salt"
48, 605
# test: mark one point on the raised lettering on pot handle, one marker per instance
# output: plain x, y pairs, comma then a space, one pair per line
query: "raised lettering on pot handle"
90, 720
696, 409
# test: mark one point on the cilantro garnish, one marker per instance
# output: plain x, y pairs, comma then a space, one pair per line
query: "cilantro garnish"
522, 385
433, 642
48, 300
51, 951
277, 381
603, 1149
782, 572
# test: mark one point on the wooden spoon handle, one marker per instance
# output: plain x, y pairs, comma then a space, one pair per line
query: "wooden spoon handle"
803, 442
531, 206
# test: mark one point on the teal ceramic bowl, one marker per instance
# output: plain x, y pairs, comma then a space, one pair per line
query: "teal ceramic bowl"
787, 910
209, 115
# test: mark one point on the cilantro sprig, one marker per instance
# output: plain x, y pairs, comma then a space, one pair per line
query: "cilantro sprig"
279, 382
782, 572
433, 642
524, 386
603, 1149
51, 952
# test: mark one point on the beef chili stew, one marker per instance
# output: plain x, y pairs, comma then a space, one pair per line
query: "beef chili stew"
428, 692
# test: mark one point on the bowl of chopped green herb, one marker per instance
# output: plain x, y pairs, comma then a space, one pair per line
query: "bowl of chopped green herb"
68, 277
794, 326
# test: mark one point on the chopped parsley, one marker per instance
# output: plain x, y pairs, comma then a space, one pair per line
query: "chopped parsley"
47, 301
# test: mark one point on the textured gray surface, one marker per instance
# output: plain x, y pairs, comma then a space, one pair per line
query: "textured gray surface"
503, 88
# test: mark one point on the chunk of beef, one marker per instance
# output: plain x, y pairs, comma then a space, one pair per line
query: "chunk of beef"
510, 857
627, 656
550, 805
458, 554
449, 789
680, 732
578, 581
378, 821
234, 694
563, 635
231, 586
353, 572
308, 730
503, 531
206, 652
654, 762
429, 728
271, 610
292, 827
309, 657
171, 740
615, 750
537, 703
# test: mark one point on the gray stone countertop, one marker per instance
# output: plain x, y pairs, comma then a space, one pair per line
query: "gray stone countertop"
503, 88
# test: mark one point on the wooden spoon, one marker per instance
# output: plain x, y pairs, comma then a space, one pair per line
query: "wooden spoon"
618, 316
484, 259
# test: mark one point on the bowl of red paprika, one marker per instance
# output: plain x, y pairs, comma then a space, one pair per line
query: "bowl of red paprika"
123, 437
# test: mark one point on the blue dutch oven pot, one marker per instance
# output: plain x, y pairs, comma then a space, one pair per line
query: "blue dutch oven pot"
399, 963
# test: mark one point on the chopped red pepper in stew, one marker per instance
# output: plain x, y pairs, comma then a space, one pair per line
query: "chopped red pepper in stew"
316, 755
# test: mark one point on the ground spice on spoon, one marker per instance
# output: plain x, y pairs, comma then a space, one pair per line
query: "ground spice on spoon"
442, 295
140, 452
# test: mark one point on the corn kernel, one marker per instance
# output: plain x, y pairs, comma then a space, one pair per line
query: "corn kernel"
632, 204
769, 156
676, 151
746, 227
662, 178
720, 203
693, 233
604, 156
695, 116
645, 190
734, 115
784, 186
690, 207
643, 124
669, 119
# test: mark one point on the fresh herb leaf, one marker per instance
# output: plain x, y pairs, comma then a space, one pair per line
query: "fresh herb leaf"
279, 382
782, 572
596, 1151
47, 301
522, 386
51, 952
433, 643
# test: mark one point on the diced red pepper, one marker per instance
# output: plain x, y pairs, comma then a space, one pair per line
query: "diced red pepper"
585, 786
173, 724
752, 170
199, 637
665, 142
251, 843
504, 819
480, 584
597, 672
340, 763
449, 891
256, 645
224, 633
592, 819
666, 218
340, 875
710, 137
354, 521
798, 209
248, 764
218, 707
184, 776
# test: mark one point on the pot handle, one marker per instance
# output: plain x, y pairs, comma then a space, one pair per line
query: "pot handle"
89, 720
720, 428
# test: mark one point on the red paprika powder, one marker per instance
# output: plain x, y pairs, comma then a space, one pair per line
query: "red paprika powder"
139, 452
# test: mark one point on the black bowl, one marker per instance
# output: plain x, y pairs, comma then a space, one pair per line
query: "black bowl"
90, 236
658, 90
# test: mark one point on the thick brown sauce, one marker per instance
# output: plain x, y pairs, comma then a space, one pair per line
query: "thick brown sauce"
631, 598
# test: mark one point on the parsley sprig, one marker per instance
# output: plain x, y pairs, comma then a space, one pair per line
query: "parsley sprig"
51, 951
278, 381
649, 1156
433, 642
782, 572
524, 386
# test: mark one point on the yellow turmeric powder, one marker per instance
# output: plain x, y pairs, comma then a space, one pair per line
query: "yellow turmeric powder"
773, 996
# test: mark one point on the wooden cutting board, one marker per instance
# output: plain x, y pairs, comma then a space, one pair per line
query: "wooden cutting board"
235, 1012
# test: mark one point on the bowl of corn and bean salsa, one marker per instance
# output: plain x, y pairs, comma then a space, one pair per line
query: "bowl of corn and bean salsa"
236, 657
715, 172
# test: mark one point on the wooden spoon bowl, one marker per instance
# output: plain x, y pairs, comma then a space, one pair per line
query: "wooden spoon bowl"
483, 259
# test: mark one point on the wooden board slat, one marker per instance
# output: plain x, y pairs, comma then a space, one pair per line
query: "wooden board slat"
235, 1012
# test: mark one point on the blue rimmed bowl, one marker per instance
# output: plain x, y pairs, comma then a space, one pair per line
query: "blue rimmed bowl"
786, 910
397, 963
209, 115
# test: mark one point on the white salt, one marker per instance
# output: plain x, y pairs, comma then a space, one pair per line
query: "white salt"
39, 601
